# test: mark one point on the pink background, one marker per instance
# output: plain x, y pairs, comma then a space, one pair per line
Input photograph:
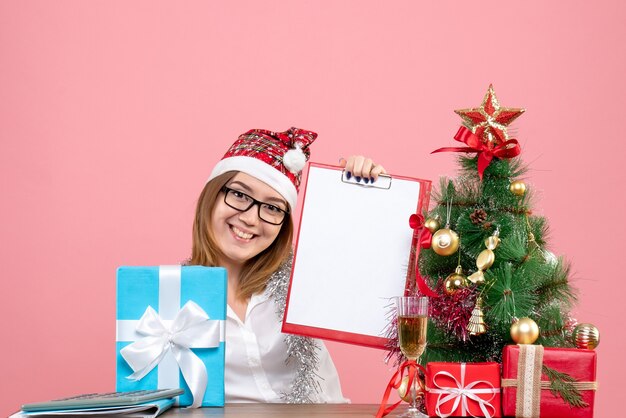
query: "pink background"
112, 114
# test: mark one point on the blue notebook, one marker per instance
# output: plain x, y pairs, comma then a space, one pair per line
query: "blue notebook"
145, 410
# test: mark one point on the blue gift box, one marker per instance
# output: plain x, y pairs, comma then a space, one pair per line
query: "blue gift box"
154, 305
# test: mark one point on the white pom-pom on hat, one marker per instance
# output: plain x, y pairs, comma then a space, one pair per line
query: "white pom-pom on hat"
294, 159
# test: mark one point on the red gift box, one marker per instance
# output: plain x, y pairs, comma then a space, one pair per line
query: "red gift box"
463, 389
526, 388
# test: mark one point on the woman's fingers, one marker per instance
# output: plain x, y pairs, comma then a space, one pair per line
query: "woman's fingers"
357, 171
361, 168
376, 171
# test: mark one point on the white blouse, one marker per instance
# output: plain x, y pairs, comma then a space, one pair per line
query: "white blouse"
255, 358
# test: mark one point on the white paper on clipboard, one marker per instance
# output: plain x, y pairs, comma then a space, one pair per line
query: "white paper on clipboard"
351, 255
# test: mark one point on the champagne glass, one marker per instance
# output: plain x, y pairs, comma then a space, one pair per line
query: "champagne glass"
412, 326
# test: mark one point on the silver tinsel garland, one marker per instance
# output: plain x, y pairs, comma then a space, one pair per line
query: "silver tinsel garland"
301, 351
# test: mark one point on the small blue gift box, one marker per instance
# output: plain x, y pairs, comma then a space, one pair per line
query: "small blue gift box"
170, 331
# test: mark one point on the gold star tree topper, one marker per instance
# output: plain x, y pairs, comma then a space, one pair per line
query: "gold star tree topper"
490, 121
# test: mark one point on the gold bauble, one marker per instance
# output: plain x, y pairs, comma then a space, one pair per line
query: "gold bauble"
477, 277
524, 331
404, 394
455, 281
445, 242
518, 188
485, 259
432, 224
586, 336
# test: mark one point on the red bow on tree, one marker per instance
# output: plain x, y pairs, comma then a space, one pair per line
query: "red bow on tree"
421, 239
416, 221
485, 151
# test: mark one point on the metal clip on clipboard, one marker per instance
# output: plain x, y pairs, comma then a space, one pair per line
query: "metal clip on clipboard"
383, 181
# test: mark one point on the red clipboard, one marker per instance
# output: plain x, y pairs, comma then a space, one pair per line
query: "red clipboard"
351, 254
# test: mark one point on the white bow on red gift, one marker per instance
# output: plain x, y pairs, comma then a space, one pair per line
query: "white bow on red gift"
461, 394
191, 328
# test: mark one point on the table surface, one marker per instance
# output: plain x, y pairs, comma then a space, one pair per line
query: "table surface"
281, 410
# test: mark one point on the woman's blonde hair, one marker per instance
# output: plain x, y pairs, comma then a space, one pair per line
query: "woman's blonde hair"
205, 251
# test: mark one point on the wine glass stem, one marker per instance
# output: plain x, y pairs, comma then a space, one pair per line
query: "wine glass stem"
413, 405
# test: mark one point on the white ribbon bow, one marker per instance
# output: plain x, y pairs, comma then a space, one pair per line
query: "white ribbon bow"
191, 328
461, 394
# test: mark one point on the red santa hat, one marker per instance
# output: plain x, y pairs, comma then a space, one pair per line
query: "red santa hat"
275, 158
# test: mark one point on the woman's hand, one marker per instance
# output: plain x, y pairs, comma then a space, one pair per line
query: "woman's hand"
361, 168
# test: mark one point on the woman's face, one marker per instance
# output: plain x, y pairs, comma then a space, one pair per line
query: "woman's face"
242, 235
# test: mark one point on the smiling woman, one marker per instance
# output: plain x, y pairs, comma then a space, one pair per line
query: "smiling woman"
241, 234
243, 223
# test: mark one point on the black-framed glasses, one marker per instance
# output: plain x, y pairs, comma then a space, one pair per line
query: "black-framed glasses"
240, 201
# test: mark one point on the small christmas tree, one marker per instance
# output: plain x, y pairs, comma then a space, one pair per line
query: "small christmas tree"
480, 256
500, 270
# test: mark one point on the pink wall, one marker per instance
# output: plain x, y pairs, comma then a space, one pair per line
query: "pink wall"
112, 114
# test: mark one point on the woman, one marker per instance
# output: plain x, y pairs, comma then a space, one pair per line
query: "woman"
244, 223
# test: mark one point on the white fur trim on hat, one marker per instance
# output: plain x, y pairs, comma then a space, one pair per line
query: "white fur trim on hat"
262, 171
